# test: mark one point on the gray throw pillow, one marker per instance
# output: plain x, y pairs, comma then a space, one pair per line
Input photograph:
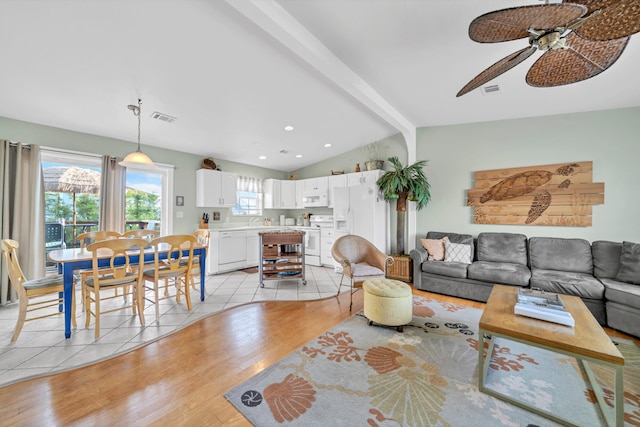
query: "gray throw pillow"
629, 263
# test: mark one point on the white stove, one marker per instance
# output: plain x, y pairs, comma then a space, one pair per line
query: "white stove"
312, 241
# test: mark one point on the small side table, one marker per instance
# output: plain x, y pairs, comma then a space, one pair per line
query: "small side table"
401, 268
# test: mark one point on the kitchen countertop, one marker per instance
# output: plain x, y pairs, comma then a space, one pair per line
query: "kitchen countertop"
263, 227
282, 232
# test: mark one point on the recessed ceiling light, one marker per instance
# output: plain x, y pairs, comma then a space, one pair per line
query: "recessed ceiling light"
288, 128
298, 156
327, 145
263, 157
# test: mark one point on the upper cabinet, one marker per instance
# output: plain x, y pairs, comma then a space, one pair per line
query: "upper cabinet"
299, 194
215, 189
319, 184
288, 194
272, 194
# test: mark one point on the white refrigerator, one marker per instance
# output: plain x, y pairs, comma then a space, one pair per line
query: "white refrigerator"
362, 210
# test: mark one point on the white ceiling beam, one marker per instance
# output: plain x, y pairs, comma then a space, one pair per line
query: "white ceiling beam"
277, 22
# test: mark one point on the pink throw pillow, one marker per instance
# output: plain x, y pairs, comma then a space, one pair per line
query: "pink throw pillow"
435, 247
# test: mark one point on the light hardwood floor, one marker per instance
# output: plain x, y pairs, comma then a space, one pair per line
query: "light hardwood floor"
181, 379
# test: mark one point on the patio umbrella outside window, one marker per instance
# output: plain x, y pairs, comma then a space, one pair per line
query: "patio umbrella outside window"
74, 180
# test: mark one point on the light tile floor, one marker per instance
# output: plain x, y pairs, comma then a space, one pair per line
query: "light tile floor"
42, 349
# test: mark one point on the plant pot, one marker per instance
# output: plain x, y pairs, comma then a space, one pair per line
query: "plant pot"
373, 164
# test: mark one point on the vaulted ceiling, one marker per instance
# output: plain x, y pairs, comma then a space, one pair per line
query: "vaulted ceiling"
235, 73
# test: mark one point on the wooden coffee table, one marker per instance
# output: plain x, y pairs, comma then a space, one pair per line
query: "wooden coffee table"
587, 342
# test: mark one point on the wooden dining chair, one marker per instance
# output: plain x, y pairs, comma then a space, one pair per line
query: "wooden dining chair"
30, 291
175, 267
118, 274
141, 232
86, 239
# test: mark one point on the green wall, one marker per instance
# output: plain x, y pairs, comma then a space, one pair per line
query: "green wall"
610, 139
185, 164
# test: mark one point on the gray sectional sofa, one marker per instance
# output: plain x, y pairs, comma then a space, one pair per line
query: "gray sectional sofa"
606, 275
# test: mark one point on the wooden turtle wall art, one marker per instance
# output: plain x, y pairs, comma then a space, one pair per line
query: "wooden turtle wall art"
557, 195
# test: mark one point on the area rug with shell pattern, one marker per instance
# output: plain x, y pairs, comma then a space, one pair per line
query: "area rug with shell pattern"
361, 375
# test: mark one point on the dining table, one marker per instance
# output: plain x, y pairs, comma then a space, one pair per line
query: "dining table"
74, 259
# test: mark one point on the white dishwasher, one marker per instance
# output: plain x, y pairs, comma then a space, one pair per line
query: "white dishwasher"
232, 247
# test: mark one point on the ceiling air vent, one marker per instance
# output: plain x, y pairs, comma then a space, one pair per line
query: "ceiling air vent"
163, 117
486, 90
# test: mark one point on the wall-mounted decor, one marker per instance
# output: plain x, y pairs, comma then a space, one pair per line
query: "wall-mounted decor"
560, 195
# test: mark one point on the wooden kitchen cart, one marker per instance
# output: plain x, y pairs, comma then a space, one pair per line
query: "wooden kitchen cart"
281, 255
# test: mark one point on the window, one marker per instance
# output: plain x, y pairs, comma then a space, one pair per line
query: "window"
72, 196
148, 196
249, 196
151, 189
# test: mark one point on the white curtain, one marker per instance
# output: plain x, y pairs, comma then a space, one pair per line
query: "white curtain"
112, 195
22, 214
249, 183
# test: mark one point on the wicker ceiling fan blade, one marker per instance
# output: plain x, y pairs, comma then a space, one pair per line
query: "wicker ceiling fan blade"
583, 59
500, 67
617, 19
515, 23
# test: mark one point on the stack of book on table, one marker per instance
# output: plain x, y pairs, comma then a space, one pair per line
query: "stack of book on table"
543, 305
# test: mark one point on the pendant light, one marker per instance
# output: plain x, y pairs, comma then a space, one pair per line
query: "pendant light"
137, 159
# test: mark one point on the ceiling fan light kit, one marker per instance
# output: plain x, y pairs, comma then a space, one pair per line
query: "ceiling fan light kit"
580, 39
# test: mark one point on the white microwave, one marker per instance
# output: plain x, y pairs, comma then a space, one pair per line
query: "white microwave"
317, 198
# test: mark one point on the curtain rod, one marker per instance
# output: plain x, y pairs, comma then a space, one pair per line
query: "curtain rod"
14, 143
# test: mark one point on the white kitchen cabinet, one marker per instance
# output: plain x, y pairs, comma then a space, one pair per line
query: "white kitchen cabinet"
215, 188
315, 185
253, 251
327, 237
336, 181
227, 251
272, 193
366, 177
288, 194
299, 194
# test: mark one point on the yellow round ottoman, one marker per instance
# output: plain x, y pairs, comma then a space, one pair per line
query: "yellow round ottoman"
387, 302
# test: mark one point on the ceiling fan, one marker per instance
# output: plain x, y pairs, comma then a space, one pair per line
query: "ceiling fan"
580, 39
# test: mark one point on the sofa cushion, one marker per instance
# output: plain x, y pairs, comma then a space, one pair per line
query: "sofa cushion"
502, 247
567, 282
449, 269
606, 258
622, 293
466, 239
457, 252
554, 253
435, 247
629, 263
499, 272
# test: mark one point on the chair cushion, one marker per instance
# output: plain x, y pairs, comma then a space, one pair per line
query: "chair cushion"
449, 269
45, 282
622, 293
555, 253
499, 272
128, 278
163, 272
567, 282
502, 247
629, 263
606, 258
364, 269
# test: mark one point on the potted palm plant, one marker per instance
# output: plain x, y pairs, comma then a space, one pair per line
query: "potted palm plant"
402, 184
